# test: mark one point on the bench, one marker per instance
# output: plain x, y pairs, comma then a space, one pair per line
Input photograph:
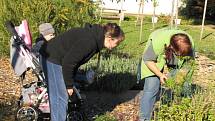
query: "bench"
109, 13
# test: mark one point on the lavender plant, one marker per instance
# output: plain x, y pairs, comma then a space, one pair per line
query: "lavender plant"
114, 74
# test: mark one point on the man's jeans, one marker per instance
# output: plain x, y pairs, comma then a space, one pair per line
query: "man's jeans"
150, 93
58, 95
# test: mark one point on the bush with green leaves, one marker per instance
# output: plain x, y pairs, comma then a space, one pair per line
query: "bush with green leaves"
195, 9
181, 80
62, 15
106, 117
198, 108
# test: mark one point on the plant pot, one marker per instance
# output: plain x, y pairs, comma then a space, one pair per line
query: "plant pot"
154, 19
177, 21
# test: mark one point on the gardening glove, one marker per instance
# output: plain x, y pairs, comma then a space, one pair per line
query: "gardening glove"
90, 75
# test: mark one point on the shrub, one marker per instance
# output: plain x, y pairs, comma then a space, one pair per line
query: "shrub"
164, 19
105, 117
181, 79
199, 108
61, 14
115, 74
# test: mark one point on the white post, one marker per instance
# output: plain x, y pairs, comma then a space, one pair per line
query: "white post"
203, 21
153, 21
176, 14
101, 9
172, 14
121, 13
138, 13
141, 24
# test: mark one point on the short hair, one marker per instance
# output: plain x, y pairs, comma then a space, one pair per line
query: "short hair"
113, 30
181, 43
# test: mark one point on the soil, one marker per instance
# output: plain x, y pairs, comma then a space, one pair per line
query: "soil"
124, 106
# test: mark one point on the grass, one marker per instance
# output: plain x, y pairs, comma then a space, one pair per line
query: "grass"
135, 47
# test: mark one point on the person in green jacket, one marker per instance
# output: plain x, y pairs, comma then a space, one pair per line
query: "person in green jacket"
162, 48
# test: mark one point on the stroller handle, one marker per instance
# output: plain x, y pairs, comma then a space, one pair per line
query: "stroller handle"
11, 28
18, 40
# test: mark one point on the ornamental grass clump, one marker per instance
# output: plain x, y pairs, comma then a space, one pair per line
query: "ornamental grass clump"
114, 74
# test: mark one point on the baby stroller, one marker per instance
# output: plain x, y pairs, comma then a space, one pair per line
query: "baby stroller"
33, 104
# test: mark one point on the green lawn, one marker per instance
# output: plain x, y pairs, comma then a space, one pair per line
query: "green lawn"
135, 47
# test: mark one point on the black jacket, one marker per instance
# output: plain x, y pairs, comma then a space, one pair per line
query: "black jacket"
74, 48
38, 44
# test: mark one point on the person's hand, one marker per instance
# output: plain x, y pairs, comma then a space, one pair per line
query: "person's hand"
70, 91
163, 78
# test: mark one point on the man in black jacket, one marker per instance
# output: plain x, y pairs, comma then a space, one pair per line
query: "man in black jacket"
66, 53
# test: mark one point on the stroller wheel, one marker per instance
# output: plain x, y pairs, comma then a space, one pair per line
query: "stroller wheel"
26, 114
75, 116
